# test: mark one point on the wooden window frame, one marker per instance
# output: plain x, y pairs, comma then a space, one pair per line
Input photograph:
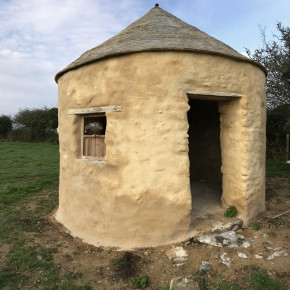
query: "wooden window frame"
83, 136
92, 112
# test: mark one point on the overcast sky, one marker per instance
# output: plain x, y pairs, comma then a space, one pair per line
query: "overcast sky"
38, 38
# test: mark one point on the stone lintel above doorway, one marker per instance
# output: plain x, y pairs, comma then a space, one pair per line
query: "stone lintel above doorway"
212, 96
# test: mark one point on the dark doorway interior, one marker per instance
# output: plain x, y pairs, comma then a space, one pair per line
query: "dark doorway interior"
204, 154
204, 141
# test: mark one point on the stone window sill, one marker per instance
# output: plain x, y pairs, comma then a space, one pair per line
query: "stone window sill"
94, 160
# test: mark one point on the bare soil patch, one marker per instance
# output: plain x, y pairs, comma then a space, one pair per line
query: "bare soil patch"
4, 251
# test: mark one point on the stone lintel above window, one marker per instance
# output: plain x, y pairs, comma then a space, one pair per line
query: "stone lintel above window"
94, 110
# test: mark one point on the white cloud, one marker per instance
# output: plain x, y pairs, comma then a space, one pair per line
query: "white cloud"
244, 53
39, 38
25, 82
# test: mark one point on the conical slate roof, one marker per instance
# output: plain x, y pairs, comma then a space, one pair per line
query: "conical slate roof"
157, 30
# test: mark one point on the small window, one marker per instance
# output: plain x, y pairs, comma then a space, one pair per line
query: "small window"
94, 129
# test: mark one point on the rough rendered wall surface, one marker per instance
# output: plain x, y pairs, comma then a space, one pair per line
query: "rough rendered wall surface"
141, 195
243, 139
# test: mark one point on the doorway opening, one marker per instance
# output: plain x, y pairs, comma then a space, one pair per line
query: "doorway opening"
205, 158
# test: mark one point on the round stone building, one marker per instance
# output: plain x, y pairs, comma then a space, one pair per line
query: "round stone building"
160, 127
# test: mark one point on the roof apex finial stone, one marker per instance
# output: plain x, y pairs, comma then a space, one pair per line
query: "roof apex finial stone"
156, 5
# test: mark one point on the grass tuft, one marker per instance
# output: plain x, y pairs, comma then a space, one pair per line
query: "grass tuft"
140, 282
231, 211
258, 279
256, 226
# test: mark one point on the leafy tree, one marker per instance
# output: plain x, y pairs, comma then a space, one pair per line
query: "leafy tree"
36, 124
5, 126
278, 125
275, 56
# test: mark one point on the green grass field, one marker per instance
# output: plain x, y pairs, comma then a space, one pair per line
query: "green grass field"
28, 176
278, 168
28, 194
28, 170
